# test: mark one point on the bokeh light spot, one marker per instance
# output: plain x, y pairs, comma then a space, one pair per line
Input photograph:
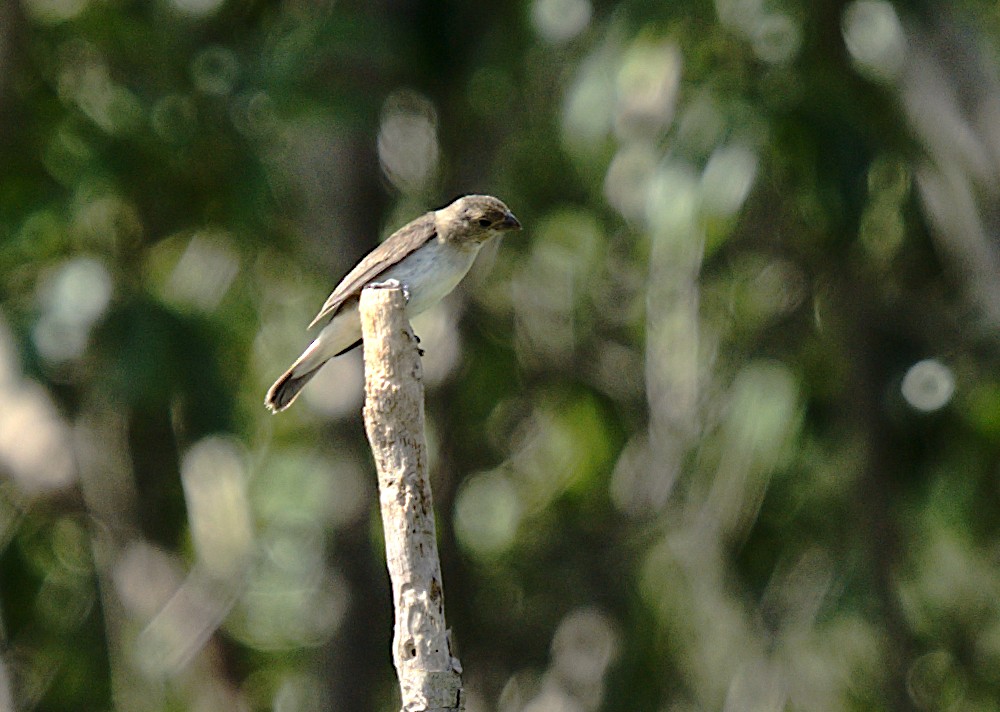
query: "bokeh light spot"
288, 608
647, 85
875, 38
52, 12
628, 177
338, 389
584, 645
727, 180
254, 114
302, 488
928, 385
35, 442
215, 70
64, 601
589, 108
738, 13
407, 141
197, 8
174, 118
85, 81
672, 201
103, 220
560, 20
764, 411
487, 513
205, 271
299, 693
72, 298
776, 38
145, 578
214, 477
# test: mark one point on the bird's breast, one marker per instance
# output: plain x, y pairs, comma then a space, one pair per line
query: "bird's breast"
431, 272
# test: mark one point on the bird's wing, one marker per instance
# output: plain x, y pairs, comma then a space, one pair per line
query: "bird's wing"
400, 244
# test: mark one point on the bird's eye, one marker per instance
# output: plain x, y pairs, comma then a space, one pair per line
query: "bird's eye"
483, 222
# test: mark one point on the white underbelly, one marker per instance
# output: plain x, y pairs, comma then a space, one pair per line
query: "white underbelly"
430, 273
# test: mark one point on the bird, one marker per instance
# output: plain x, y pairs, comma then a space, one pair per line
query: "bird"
428, 257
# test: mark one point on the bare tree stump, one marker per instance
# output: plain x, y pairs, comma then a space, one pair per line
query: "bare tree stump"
429, 677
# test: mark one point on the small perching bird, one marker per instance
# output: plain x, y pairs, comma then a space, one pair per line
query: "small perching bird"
427, 256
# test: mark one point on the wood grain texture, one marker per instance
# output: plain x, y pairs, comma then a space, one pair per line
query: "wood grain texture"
429, 676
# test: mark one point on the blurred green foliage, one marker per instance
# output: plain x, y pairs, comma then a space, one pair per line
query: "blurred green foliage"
718, 431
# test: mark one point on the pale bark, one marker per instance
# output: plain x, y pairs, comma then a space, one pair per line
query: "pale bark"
429, 677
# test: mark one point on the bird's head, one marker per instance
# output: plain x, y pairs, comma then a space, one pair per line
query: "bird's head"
475, 218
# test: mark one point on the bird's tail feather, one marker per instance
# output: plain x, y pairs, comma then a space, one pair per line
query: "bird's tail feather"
329, 343
286, 389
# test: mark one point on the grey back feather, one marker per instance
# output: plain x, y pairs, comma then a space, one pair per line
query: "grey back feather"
399, 245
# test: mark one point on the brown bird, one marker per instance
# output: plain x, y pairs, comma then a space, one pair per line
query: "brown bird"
427, 256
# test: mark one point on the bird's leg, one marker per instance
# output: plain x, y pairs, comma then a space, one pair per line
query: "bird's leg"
413, 335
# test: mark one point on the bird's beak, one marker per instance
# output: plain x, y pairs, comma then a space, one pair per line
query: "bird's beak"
509, 222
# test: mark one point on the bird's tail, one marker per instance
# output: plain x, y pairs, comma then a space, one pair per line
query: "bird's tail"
286, 389
338, 337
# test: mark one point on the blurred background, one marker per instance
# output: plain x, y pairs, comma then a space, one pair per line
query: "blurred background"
719, 430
